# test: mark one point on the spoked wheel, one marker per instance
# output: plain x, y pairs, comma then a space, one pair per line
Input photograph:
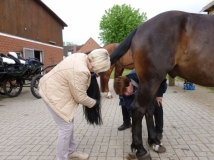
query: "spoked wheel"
1, 90
12, 87
34, 86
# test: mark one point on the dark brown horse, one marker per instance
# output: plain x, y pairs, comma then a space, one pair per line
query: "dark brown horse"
125, 62
174, 42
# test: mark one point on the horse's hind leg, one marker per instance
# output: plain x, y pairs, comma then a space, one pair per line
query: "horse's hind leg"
152, 135
139, 107
137, 143
150, 124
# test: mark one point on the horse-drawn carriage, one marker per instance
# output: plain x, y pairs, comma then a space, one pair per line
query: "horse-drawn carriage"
17, 72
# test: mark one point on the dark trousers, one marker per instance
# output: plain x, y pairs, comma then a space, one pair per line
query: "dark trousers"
158, 116
126, 116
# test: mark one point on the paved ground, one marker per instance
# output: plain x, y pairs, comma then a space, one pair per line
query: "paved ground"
28, 132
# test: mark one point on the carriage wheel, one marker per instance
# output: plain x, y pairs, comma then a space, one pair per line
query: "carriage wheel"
1, 90
12, 87
34, 86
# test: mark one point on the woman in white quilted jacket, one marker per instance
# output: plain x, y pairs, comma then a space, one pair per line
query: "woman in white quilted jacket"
64, 88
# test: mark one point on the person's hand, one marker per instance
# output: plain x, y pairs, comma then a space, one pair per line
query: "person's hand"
97, 75
159, 101
97, 103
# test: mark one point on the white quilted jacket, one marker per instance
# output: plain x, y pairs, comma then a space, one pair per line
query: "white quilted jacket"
65, 86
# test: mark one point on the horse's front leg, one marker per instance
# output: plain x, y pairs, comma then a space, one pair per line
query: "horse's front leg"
104, 82
152, 135
137, 143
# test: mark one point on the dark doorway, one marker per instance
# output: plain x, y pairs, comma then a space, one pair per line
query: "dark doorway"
37, 55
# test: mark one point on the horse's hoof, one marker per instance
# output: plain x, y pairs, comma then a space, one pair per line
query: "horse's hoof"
159, 148
131, 156
109, 97
145, 157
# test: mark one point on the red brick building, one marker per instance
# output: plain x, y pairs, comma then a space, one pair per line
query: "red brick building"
32, 29
209, 8
89, 45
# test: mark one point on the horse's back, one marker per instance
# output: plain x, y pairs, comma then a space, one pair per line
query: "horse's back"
173, 26
179, 43
111, 47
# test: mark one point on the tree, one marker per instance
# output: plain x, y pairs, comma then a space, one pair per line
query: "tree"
118, 22
68, 44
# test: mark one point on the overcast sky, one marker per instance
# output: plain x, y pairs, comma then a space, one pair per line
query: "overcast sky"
83, 16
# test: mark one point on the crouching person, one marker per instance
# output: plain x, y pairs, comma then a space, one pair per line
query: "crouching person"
126, 87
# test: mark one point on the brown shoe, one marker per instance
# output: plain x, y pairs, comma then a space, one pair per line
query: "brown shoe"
78, 156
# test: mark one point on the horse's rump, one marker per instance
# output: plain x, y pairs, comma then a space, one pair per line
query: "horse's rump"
175, 42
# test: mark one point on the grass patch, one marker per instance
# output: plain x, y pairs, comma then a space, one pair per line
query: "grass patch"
212, 88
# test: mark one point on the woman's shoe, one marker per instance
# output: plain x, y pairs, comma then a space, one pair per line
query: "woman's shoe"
78, 155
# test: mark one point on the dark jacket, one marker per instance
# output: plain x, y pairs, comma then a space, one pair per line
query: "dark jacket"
127, 100
162, 88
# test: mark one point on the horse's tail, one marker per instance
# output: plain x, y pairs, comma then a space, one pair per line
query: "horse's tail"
122, 48
93, 115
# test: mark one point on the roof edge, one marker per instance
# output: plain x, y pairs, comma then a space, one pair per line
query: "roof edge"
51, 12
207, 7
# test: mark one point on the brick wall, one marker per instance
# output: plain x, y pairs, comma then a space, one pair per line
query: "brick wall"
52, 54
88, 46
